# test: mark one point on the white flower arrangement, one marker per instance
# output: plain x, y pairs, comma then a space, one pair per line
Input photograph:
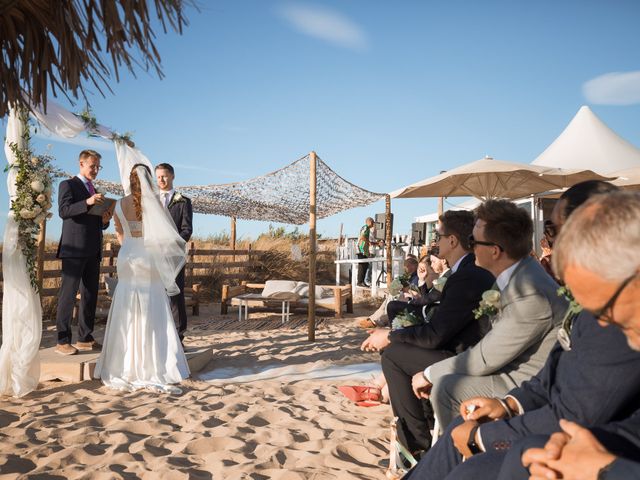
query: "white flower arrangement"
489, 305
34, 187
438, 283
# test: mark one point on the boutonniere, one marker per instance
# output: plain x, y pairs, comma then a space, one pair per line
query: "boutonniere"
564, 333
177, 198
489, 305
405, 319
438, 283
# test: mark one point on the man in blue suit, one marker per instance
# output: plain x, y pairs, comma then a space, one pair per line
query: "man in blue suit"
606, 228
80, 249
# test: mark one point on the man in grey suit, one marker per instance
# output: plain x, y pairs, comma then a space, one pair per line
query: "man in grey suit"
524, 324
181, 212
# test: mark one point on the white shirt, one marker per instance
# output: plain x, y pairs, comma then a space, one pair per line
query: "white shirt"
166, 196
503, 279
85, 181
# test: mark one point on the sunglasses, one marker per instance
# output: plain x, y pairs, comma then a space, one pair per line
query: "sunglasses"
438, 236
473, 242
605, 314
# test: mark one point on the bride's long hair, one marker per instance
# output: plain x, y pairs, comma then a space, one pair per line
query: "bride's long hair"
136, 191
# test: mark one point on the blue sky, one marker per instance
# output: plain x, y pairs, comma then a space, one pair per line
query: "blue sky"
387, 93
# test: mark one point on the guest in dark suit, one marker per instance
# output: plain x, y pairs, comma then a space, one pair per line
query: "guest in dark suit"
597, 381
80, 249
181, 212
597, 256
450, 330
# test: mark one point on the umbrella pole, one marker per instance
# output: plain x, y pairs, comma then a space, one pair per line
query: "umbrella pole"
387, 240
312, 247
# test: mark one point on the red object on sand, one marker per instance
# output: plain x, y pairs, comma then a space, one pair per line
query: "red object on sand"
361, 394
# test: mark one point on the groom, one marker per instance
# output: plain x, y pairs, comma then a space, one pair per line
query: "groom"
182, 214
80, 250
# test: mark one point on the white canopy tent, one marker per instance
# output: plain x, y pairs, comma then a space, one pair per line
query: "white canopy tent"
588, 143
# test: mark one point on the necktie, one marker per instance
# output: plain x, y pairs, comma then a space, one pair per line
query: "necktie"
92, 190
166, 199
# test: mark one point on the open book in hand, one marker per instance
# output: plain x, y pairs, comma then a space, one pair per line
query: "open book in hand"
106, 205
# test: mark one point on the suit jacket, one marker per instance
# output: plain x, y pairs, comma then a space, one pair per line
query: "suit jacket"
81, 233
453, 326
522, 333
597, 381
622, 438
182, 214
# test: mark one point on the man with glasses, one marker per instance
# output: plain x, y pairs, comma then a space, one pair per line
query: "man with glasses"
594, 379
526, 312
80, 249
448, 330
597, 256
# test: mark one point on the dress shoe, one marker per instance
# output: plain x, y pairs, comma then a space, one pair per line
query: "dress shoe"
88, 346
65, 349
366, 323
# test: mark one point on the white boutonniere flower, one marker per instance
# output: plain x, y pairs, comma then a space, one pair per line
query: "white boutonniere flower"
177, 198
489, 305
438, 283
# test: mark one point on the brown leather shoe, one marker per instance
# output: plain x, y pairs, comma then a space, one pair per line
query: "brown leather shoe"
88, 346
366, 323
66, 349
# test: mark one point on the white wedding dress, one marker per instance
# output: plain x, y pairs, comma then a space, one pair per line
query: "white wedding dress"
141, 347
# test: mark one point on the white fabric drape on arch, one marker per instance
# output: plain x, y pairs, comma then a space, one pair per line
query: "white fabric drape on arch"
21, 309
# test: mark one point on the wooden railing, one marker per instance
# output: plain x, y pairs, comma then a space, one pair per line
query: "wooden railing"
202, 264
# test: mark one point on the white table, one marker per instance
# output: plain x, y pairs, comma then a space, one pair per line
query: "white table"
355, 264
244, 299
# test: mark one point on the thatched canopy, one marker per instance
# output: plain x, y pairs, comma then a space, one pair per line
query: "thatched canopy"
63, 44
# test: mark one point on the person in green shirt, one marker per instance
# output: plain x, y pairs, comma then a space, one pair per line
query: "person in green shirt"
363, 249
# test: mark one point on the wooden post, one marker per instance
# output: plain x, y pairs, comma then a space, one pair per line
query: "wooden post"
387, 240
40, 258
340, 236
233, 233
312, 247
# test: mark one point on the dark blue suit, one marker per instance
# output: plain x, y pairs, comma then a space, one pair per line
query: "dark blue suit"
80, 249
597, 382
181, 212
451, 329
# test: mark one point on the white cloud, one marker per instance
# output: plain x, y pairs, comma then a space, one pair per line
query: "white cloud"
326, 24
81, 140
615, 88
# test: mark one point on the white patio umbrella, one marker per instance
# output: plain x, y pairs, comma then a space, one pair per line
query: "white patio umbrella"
628, 178
489, 178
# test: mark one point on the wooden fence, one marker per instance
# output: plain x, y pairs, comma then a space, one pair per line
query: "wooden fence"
204, 265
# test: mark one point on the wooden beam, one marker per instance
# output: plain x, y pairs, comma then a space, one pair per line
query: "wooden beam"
312, 247
42, 235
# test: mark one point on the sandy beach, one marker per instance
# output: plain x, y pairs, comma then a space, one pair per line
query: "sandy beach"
287, 427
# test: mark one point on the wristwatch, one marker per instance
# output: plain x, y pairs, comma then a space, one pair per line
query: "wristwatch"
471, 443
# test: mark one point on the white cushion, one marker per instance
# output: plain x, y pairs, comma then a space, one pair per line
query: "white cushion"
272, 287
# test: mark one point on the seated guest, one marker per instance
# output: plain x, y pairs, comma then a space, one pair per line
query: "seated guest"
566, 204
379, 317
450, 330
602, 236
594, 379
525, 312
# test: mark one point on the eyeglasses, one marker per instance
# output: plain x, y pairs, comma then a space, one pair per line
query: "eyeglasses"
94, 167
605, 314
439, 235
473, 242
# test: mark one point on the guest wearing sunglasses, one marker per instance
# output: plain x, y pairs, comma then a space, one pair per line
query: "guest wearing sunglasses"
525, 312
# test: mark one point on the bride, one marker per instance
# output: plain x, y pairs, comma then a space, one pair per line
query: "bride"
141, 347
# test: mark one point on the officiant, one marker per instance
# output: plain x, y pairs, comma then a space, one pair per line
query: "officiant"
80, 249
181, 212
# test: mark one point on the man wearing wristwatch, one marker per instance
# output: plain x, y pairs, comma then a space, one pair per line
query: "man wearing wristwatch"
450, 330
596, 382
609, 451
